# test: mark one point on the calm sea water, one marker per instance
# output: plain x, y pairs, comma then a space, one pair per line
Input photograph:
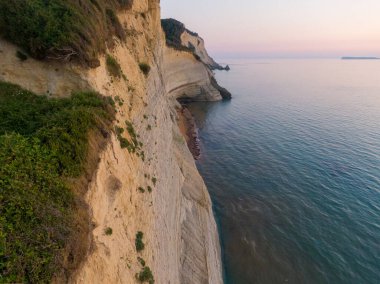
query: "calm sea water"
293, 167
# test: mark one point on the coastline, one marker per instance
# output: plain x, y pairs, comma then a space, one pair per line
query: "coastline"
188, 128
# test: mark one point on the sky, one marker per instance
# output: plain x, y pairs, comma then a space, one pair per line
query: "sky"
282, 28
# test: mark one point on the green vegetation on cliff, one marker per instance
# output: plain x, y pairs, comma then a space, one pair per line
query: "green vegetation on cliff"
173, 30
64, 30
44, 155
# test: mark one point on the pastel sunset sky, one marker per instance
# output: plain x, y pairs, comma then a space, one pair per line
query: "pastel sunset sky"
282, 28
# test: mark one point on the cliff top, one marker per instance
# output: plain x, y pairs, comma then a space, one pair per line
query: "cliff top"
62, 30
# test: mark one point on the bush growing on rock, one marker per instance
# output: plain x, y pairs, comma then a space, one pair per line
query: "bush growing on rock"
145, 68
108, 231
43, 149
139, 241
146, 275
142, 261
113, 67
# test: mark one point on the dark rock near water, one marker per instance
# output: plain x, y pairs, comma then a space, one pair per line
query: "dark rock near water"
226, 95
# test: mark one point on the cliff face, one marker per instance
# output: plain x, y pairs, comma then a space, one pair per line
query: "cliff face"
187, 78
195, 42
180, 234
180, 38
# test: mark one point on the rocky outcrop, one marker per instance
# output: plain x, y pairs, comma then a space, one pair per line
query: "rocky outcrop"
186, 51
180, 38
180, 233
187, 78
196, 43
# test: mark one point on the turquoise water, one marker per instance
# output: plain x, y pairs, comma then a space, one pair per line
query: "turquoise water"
293, 167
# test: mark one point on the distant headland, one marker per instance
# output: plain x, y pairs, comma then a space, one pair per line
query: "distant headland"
360, 58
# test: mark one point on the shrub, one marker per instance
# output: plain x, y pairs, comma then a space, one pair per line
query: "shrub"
146, 275
142, 154
154, 180
149, 189
173, 30
145, 68
139, 242
116, 27
142, 261
22, 56
142, 190
108, 231
43, 145
63, 30
113, 67
119, 130
124, 143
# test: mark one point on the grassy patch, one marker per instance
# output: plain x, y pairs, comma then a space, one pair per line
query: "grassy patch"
43, 145
132, 145
113, 67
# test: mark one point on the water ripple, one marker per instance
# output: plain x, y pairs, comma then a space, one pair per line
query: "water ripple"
293, 167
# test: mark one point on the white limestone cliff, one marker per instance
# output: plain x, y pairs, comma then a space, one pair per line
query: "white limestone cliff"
195, 42
180, 233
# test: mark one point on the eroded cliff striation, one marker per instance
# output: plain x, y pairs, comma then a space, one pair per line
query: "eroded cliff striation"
155, 187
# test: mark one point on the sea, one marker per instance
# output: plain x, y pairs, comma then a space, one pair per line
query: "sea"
292, 164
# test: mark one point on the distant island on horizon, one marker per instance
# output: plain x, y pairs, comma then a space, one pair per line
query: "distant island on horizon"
360, 58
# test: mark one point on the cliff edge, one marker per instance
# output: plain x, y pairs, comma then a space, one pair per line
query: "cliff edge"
149, 213
179, 37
